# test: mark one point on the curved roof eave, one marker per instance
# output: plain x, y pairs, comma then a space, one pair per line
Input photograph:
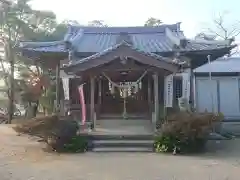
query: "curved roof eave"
87, 61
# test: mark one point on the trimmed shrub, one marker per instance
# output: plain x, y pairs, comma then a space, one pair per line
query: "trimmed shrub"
76, 144
185, 132
59, 135
39, 126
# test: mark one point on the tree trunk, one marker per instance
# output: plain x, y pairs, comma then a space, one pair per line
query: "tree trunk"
11, 84
35, 109
31, 110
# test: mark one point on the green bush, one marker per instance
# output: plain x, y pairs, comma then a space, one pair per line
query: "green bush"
77, 144
58, 135
185, 132
178, 145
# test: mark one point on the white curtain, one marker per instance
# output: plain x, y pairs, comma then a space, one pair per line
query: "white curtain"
168, 90
186, 85
65, 82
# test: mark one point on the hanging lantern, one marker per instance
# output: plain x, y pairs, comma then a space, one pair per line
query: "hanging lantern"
140, 85
121, 92
125, 92
135, 88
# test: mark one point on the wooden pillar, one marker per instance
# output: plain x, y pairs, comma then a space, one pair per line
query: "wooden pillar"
99, 91
149, 95
99, 98
156, 99
191, 98
57, 106
92, 105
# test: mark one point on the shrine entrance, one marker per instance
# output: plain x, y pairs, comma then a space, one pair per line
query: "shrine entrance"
123, 82
125, 98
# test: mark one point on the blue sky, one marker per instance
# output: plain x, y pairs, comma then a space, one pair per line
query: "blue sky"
195, 15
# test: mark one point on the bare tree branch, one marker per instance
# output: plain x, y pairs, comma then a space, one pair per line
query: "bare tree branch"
216, 33
226, 31
222, 30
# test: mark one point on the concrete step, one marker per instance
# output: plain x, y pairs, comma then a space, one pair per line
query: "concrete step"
122, 137
122, 149
123, 143
126, 123
120, 117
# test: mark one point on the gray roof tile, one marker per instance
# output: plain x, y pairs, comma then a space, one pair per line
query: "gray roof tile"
54, 46
156, 56
221, 65
129, 30
97, 39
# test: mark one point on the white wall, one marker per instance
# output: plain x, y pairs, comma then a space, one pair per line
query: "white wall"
221, 94
206, 95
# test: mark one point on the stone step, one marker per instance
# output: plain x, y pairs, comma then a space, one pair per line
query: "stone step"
120, 117
122, 137
122, 149
123, 143
123, 123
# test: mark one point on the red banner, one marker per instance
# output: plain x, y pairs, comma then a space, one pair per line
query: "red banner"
83, 105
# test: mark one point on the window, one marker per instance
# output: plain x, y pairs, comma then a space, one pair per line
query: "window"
177, 91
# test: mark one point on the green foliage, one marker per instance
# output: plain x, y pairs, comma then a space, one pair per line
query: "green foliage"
59, 135
164, 143
185, 132
77, 144
47, 99
168, 143
153, 22
39, 126
18, 21
97, 23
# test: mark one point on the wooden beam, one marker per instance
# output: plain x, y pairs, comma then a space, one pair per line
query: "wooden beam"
126, 51
57, 108
156, 99
191, 98
98, 109
92, 105
149, 94
125, 69
100, 92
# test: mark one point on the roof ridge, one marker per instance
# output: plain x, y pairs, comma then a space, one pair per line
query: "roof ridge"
219, 42
25, 44
72, 29
102, 27
159, 57
102, 52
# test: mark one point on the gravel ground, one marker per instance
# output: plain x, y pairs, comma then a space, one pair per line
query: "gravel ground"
22, 159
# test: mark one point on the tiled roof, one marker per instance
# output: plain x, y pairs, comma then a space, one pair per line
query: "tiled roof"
156, 42
55, 46
221, 65
98, 39
194, 45
79, 61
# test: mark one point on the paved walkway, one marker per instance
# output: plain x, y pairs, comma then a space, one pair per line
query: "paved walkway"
123, 127
118, 166
22, 159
